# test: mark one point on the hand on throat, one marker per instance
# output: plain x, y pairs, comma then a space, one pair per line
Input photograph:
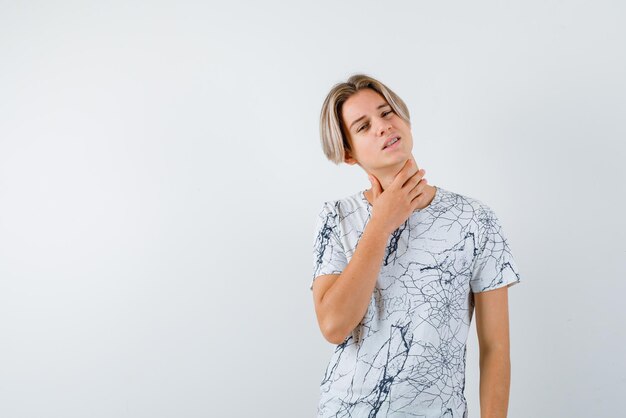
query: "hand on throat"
387, 176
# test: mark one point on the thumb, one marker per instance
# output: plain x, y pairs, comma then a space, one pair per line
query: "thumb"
376, 188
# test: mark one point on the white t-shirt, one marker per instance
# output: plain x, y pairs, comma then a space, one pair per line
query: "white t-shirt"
407, 355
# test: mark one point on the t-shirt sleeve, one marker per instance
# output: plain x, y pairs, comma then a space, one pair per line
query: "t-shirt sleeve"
328, 251
494, 266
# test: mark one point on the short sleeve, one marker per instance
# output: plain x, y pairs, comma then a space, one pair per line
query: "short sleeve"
494, 266
328, 252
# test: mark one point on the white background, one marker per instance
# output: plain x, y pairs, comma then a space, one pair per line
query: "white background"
161, 172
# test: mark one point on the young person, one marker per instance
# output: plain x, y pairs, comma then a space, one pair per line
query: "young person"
398, 270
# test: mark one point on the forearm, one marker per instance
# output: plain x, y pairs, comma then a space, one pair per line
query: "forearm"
346, 302
495, 379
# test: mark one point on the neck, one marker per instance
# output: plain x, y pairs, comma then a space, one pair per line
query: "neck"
387, 176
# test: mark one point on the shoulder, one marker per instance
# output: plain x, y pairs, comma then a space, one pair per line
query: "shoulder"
463, 201
344, 206
476, 213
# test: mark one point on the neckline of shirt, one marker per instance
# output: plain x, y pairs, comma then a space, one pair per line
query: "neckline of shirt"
435, 200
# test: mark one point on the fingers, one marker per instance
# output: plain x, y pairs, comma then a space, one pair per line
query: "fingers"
405, 174
414, 181
403, 180
401, 177
417, 193
415, 178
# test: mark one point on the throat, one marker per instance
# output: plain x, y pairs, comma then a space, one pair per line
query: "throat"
430, 192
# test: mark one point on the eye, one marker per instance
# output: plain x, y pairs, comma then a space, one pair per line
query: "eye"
384, 114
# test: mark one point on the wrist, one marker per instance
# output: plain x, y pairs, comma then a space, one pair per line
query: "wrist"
377, 226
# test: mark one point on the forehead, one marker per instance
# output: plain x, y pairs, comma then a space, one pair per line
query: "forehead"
361, 103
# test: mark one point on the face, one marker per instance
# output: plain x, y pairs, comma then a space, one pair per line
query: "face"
370, 122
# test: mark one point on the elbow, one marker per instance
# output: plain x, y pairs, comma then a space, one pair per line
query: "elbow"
333, 334
335, 338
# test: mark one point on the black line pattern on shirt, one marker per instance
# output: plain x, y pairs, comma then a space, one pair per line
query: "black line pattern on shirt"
328, 256
382, 368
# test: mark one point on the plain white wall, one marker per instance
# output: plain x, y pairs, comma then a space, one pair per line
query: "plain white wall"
160, 175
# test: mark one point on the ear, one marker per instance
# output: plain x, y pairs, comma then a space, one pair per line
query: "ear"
348, 159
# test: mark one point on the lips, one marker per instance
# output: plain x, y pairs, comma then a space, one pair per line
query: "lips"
391, 138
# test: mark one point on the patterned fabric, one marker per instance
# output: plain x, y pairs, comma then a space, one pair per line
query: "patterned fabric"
407, 355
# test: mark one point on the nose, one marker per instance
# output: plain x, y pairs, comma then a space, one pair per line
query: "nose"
385, 125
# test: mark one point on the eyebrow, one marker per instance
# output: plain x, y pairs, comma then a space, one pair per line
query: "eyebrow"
379, 106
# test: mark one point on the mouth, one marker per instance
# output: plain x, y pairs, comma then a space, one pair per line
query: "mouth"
392, 142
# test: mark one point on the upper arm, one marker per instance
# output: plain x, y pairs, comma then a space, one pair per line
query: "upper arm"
329, 256
492, 318
493, 265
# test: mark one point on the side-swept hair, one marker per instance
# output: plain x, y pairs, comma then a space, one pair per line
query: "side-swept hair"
333, 133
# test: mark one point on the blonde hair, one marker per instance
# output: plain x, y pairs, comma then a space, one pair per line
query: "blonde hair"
333, 134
